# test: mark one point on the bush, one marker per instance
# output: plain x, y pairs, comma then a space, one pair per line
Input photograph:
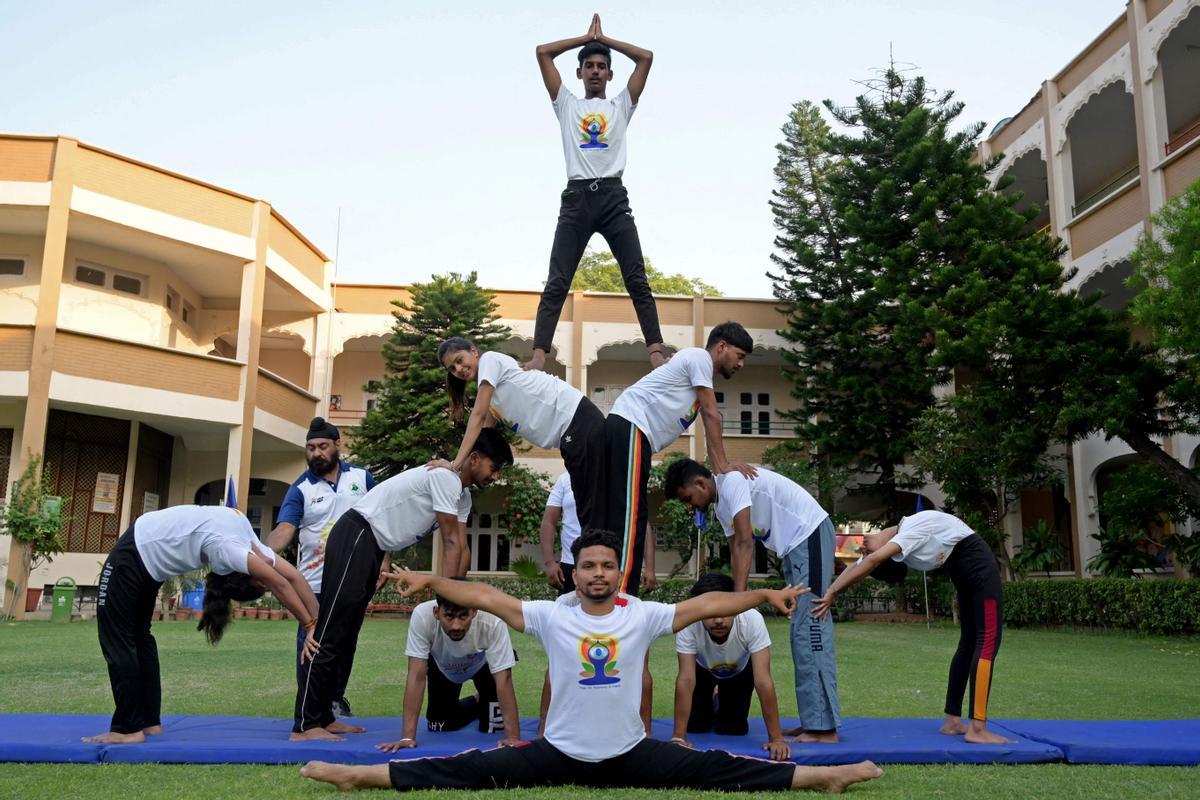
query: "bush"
1148, 606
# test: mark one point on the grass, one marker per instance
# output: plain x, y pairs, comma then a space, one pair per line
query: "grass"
896, 670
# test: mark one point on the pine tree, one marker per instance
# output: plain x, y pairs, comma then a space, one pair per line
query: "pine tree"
409, 424
860, 215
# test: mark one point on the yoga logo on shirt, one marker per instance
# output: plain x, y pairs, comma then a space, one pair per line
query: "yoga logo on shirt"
686, 421
723, 670
502, 422
760, 535
593, 128
599, 657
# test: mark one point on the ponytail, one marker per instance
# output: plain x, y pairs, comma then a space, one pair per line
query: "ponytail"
219, 592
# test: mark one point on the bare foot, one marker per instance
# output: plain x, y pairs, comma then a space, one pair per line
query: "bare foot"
953, 726
823, 737
346, 777
981, 735
836, 779
793, 731
315, 734
538, 361
338, 726
340, 775
153, 730
116, 738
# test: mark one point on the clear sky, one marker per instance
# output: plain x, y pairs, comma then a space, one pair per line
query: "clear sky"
428, 126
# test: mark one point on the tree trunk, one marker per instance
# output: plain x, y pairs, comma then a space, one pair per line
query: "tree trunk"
1183, 478
1002, 536
16, 596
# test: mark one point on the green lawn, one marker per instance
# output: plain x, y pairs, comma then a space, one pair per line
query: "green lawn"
896, 670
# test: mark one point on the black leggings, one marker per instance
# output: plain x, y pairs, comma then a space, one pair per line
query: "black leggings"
445, 711
721, 706
628, 471
352, 561
587, 207
582, 447
649, 764
972, 568
124, 609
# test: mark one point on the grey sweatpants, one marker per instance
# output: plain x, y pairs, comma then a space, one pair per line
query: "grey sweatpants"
811, 562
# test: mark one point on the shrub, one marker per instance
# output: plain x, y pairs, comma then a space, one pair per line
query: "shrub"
1148, 606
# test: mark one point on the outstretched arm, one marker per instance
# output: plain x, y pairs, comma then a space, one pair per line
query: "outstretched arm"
685, 686
480, 418
464, 593
728, 604
546, 53
741, 550
414, 695
506, 695
289, 587
764, 686
641, 58
852, 575
712, 432
454, 545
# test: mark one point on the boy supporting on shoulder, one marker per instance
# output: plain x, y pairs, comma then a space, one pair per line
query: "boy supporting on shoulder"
721, 661
448, 645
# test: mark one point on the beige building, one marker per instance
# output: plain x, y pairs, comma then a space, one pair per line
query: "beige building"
159, 335
1100, 147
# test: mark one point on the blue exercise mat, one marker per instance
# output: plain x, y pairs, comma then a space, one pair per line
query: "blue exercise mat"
1140, 742
258, 740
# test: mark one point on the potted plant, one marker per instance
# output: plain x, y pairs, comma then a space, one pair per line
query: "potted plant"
34, 518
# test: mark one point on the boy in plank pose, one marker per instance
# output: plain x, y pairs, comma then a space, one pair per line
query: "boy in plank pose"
594, 736
448, 645
721, 661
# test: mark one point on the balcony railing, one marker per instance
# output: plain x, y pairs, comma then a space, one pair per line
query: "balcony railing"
346, 417
1105, 191
1044, 229
1182, 138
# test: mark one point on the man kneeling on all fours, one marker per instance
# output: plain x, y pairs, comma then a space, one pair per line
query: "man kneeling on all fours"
594, 735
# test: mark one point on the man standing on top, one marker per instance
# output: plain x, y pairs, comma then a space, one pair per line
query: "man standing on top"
313, 503
595, 200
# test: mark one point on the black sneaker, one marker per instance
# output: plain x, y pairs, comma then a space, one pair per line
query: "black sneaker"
341, 708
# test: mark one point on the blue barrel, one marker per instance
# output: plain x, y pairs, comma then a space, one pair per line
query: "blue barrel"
194, 598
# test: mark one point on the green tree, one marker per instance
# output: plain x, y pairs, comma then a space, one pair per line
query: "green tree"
860, 216
599, 272
409, 424
34, 518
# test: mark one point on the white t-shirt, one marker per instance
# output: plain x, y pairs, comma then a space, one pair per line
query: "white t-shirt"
663, 404
562, 497
486, 640
403, 509
927, 537
747, 636
313, 505
596, 672
593, 133
531, 403
782, 513
179, 539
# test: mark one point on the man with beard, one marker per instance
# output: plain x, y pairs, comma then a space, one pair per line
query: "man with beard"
396, 514
313, 503
651, 414
448, 645
594, 736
